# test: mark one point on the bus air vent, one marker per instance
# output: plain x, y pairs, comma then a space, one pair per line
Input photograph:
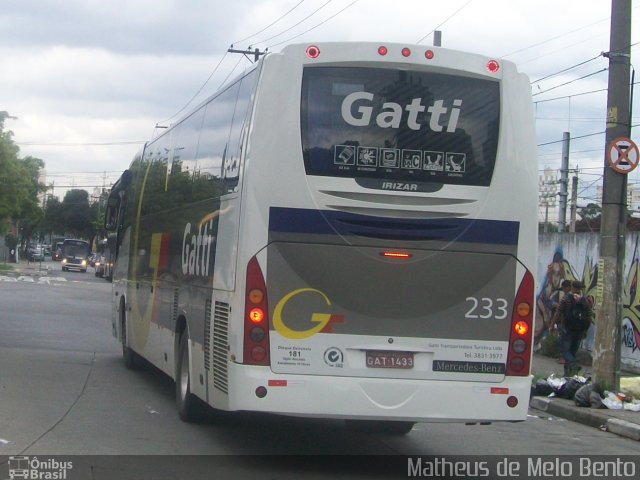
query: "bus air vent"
207, 334
220, 346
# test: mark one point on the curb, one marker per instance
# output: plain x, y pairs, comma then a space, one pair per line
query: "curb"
587, 416
25, 273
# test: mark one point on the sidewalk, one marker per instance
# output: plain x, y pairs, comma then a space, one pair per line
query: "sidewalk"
23, 267
621, 422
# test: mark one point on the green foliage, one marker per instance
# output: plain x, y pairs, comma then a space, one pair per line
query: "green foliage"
75, 214
11, 241
19, 185
550, 346
590, 212
52, 220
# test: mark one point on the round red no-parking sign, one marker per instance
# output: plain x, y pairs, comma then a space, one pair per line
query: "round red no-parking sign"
623, 155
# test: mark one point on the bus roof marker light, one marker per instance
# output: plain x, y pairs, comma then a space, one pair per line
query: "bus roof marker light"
493, 66
429, 54
406, 52
382, 50
313, 52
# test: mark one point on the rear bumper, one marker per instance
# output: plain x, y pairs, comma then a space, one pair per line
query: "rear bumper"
377, 398
71, 266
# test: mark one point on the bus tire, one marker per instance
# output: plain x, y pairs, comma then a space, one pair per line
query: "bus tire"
372, 426
188, 407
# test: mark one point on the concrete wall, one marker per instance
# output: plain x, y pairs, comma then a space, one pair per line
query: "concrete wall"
575, 256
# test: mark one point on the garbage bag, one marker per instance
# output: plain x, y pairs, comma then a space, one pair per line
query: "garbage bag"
596, 400
583, 395
569, 389
588, 395
542, 388
556, 383
612, 402
632, 406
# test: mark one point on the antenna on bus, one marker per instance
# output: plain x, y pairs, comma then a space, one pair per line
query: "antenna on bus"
256, 53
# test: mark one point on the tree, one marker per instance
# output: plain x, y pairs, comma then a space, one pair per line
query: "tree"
76, 214
52, 221
590, 212
19, 185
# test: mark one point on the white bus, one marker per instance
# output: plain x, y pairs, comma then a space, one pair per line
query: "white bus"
347, 230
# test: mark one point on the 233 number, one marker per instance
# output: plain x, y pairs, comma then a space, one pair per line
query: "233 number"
487, 308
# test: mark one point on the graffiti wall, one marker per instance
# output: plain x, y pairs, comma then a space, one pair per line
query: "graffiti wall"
574, 256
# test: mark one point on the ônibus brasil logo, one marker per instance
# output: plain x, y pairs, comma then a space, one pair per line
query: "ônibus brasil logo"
28, 468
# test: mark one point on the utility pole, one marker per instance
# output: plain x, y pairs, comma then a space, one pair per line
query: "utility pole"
574, 203
564, 182
256, 53
606, 349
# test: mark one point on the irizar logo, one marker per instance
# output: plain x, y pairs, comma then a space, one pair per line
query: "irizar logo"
390, 115
408, 187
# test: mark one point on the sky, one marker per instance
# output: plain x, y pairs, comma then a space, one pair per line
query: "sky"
87, 81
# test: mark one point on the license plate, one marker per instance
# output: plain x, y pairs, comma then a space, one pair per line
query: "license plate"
388, 359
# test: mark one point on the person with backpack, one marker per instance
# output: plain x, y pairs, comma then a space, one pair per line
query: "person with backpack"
572, 319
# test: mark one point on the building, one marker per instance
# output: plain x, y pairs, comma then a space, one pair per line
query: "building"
548, 199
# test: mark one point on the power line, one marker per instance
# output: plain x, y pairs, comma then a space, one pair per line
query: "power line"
231, 72
574, 95
448, 18
572, 138
295, 25
199, 90
570, 81
567, 69
581, 136
271, 24
554, 38
314, 27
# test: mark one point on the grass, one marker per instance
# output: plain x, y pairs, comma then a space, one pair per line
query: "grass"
5, 267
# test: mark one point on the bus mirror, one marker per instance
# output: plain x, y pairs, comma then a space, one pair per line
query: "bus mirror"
111, 214
126, 178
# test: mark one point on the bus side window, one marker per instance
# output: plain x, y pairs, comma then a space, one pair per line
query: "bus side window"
111, 214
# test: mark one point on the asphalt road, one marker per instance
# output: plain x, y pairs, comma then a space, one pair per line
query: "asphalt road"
65, 391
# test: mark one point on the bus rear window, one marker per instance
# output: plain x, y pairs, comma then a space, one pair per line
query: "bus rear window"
398, 125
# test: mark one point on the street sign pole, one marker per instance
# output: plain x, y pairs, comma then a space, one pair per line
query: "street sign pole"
606, 349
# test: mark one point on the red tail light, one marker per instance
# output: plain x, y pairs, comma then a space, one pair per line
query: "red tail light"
520, 338
256, 317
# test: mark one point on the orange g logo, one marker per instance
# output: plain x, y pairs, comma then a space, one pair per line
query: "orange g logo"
323, 321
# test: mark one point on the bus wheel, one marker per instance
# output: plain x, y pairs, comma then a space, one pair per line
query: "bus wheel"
371, 426
186, 401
